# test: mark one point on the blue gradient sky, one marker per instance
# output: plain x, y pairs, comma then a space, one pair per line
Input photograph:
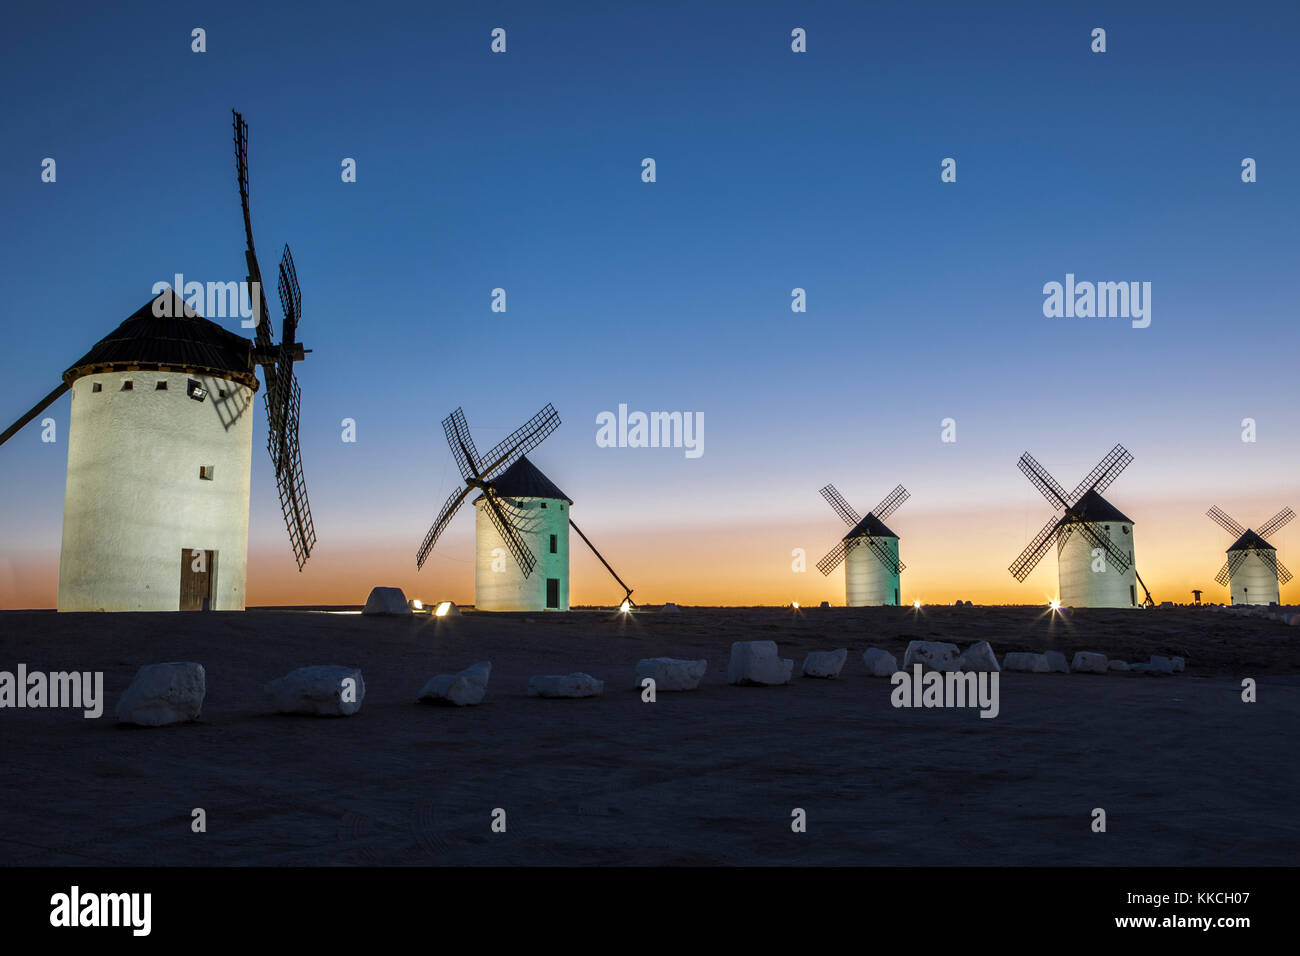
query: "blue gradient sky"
775, 170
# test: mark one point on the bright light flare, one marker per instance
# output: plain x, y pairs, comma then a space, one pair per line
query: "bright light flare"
417, 604
625, 606
1056, 604
916, 604
442, 609
795, 605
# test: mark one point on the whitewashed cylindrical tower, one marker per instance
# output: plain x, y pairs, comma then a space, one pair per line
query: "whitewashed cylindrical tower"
868, 581
159, 454
539, 512
1088, 580
1254, 581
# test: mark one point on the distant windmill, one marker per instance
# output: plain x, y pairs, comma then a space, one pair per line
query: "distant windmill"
1252, 571
1094, 539
872, 569
159, 451
520, 512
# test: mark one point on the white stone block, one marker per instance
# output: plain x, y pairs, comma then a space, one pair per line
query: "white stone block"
163, 694
1088, 662
1160, 665
1117, 665
825, 663
1024, 661
879, 663
464, 689
931, 655
386, 601
565, 685
1056, 662
669, 673
978, 657
757, 662
319, 690
1179, 665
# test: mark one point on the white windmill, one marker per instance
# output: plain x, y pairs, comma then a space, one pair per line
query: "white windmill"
1252, 571
521, 524
160, 448
1094, 539
869, 551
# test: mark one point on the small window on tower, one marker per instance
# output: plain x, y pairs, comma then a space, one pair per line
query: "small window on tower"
543, 504
97, 387
128, 385
205, 472
553, 544
160, 387
221, 393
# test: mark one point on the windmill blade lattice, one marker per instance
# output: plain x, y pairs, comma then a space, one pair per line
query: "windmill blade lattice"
1034, 551
840, 505
282, 396
1278, 520
1274, 565
1043, 481
520, 442
891, 503
1117, 558
1105, 472
1221, 518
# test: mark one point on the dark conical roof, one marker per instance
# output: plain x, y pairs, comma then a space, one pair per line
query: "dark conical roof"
1250, 541
870, 525
1093, 507
179, 340
523, 479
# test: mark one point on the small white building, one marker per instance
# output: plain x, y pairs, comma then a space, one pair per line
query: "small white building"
1087, 580
1253, 576
540, 513
159, 456
868, 581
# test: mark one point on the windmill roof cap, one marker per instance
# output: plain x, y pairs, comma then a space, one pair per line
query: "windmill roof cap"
870, 525
1093, 507
523, 479
1250, 541
179, 340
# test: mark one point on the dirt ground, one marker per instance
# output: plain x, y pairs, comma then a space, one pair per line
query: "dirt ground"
1187, 773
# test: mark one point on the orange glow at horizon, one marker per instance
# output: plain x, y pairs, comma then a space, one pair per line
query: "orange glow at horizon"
948, 558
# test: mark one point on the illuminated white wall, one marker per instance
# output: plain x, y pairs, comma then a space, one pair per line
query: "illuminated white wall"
1081, 586
867, 581
1255, 582
499, 583
135, 497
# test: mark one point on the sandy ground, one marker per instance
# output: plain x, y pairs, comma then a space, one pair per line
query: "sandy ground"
1187, 773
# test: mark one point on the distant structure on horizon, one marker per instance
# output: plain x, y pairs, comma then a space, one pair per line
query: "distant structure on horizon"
1252, 572
519, 515
1093, 538
160, 451
869, 551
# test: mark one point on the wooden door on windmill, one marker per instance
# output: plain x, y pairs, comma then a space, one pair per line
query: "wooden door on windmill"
196, 579
553, 592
